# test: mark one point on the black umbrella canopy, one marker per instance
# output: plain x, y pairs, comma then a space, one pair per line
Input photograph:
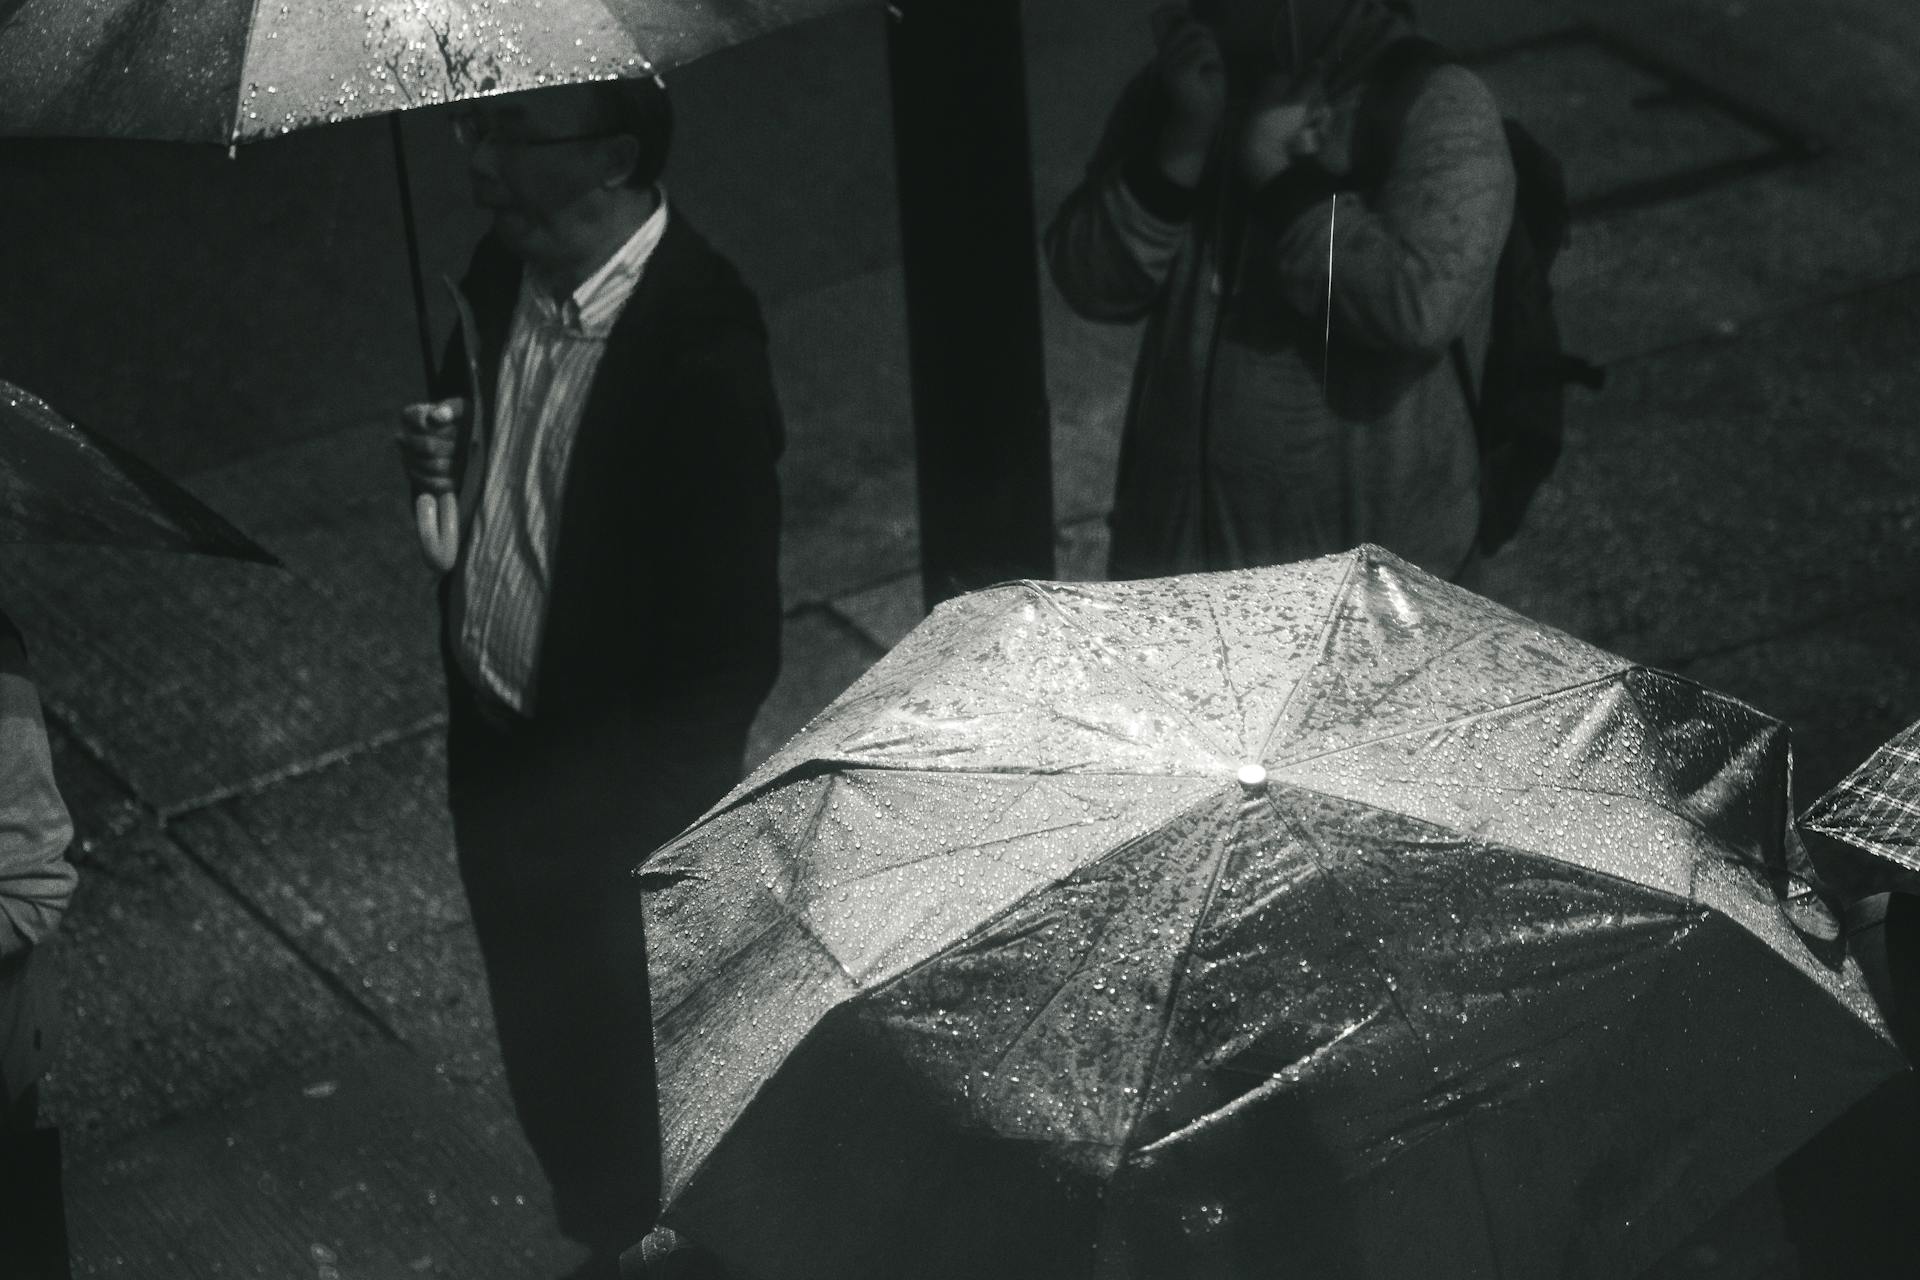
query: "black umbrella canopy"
62, 483
235, 70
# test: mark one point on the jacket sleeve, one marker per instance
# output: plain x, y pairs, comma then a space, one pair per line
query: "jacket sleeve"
1116, 236
1409, 263
36, 880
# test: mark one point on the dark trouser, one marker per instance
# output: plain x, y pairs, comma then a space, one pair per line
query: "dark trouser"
33, 1223
559, 923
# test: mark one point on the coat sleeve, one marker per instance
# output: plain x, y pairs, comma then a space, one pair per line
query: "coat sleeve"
1409, 263
36, 880
1116, 236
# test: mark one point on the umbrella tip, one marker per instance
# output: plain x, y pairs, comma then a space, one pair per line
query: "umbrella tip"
1252, 775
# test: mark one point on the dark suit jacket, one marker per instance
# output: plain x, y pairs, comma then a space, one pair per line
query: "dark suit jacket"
663, 622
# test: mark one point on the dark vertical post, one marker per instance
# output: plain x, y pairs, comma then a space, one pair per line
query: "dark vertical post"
981, 421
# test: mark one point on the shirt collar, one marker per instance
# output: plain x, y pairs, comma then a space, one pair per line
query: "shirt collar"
595, 304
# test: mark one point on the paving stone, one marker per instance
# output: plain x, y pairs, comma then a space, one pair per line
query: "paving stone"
354, 865
1846, 687
367, 1166
1720, 494
847, 477
176, 996
887, 611
196, 678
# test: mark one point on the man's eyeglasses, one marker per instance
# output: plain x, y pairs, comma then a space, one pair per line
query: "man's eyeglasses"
471, 129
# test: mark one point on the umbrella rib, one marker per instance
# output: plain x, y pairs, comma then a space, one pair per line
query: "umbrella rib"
814, 823
1267, 1088
1119, 850
1175, 984
1325, 638
982, 847
1052, 999
1689, 899
828, 766
813, 826
731, 958
1203, 731
1466, 718
1226, 667
1666, 757
1687, 818
1423, 665
1318, 852
239, 87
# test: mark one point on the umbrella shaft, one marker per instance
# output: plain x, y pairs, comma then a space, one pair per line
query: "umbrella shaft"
420, 317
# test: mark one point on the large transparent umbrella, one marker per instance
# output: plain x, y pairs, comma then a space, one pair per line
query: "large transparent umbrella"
1324, 920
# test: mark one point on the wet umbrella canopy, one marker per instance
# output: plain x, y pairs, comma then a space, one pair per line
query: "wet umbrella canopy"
62, 483
1877, 807
232, 70
1323, 920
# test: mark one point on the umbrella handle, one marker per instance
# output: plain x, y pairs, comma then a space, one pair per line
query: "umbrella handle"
437, 518
421, 322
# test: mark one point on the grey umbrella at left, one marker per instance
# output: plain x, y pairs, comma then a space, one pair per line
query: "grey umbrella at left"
62, 483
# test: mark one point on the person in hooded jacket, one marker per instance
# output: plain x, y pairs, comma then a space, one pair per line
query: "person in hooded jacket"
1294, 395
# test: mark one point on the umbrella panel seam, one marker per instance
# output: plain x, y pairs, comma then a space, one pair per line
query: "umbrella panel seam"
1464, 719
1175, 986
1678, 815
987, 926
1070, 623
1384, 971
1327, 624
1425, 664
1671, 769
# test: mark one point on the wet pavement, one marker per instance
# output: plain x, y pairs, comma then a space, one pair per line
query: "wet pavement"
279, 1061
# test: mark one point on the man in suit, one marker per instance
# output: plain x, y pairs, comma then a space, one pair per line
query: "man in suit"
598, 481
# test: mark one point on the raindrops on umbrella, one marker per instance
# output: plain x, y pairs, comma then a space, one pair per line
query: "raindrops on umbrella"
237, 70
1270, 903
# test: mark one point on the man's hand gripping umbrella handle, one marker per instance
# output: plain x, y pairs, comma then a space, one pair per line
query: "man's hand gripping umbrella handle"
436, 509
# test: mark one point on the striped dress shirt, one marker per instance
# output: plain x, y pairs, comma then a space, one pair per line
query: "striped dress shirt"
553, 349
